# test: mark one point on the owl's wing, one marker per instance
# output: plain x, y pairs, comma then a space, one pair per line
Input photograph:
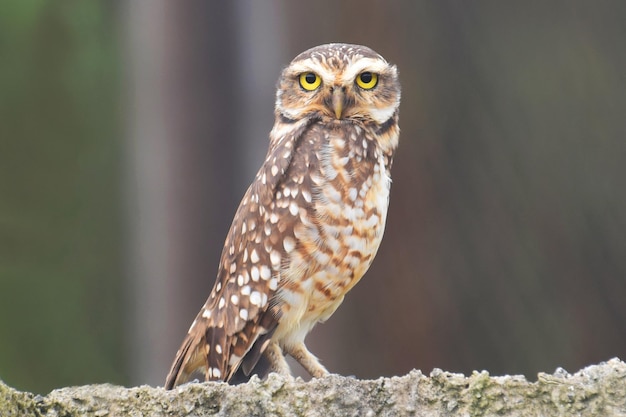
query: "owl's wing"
241, 312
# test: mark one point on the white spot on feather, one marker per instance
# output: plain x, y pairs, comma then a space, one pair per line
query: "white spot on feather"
255, 298
254, 274
275, 258
266, 273
289, 243
352, 193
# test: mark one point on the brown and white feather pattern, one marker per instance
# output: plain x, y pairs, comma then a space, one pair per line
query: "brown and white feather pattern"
310, 224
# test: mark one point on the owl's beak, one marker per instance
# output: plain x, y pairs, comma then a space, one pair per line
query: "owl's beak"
338, 99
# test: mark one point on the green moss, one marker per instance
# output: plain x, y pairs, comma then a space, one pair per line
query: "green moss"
14, 403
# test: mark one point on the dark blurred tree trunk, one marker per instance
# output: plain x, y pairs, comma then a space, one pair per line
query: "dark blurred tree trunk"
182, 168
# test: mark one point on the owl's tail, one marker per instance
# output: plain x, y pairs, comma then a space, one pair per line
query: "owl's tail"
200, 354
190, 358
210, 353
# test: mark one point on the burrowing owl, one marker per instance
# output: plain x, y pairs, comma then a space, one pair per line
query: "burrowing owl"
310, 224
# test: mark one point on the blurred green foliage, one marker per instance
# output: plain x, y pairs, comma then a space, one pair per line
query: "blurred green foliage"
60, 205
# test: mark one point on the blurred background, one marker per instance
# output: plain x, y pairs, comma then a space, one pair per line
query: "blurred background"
129, 130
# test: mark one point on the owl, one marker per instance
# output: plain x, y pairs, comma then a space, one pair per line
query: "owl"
309, 226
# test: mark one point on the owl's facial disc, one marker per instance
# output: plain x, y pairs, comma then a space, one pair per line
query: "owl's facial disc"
339, 83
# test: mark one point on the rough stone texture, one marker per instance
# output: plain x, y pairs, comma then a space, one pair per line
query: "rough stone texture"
598, 390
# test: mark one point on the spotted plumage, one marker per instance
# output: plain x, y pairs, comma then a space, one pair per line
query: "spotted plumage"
310, 224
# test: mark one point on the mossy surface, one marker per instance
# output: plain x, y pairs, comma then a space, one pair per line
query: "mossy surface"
14, 403
598, 390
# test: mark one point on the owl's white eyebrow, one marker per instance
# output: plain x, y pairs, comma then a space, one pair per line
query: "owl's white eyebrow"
365, 64
308, 65
352, 70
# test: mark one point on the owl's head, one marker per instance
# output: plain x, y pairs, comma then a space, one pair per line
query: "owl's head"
339, 82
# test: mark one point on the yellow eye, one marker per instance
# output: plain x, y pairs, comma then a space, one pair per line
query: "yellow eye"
367, 80
310, 81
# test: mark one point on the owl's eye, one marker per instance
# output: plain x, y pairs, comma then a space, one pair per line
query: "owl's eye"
367, 80
310, 81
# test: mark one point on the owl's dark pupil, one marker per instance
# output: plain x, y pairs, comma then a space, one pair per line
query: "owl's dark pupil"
366, 77
310, 78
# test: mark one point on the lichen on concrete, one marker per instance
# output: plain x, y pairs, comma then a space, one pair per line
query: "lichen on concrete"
598, 390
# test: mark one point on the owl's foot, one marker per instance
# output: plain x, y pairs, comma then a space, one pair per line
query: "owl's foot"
308, 361
275, 356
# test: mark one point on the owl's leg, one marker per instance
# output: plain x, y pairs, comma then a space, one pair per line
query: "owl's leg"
277, 360
305, 358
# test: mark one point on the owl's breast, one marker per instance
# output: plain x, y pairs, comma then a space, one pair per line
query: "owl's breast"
341, 220
350, 195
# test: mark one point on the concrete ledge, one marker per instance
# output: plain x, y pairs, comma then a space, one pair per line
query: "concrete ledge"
598, 390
